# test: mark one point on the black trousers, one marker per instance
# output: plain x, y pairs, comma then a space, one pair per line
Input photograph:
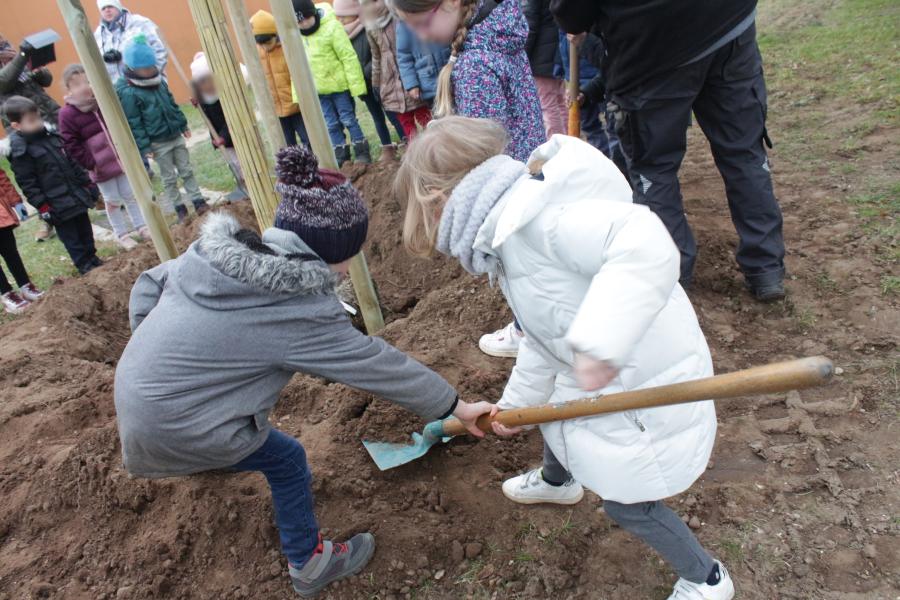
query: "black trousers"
294, 129
727, 93
10, 254
77, 236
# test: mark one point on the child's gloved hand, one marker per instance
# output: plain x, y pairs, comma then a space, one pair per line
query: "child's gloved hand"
593, 374
468, 413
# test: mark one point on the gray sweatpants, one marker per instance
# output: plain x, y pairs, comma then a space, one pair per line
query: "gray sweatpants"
653, 522
174, 161
117, 194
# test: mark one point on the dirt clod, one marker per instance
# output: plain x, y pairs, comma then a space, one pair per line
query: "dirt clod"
473, 549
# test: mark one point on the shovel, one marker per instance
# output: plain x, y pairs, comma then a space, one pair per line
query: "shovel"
767, 379
574, 128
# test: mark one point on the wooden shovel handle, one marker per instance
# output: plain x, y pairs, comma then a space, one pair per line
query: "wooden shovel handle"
767, 379
574, 128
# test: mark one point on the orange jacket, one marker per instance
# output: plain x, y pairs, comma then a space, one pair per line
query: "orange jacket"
9, 197
279, 80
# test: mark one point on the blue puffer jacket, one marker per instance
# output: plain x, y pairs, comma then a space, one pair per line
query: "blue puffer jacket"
419, 62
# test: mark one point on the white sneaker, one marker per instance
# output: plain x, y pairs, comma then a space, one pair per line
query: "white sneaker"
530, 488
503, 343
686, 590
127, 242
13, 303
30, 292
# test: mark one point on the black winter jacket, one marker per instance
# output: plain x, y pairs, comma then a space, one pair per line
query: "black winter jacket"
645, 38
216, 115
48, 177
364, 54
542, 44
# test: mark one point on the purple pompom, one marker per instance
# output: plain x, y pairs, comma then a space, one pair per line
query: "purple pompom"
296, 165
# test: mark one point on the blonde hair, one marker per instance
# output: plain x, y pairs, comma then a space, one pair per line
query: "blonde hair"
443, 100
436, 161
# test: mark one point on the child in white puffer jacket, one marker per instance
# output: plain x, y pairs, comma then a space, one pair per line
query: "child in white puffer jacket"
593, 281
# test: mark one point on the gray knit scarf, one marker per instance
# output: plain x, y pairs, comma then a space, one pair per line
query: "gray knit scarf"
468, 207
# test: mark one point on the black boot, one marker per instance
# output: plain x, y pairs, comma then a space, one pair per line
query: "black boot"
182, 212
342, 154
363, 156
767, 287
201, 207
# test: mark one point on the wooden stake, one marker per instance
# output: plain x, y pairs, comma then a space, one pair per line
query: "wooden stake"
122, 138
213, 31
302, 77
240, 22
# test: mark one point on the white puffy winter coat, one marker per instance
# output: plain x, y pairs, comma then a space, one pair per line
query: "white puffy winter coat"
585, 270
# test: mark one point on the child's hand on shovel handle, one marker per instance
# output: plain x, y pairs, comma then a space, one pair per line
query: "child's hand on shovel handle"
593, 374
468, 413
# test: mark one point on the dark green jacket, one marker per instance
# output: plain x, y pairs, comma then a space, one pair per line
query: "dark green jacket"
152, 113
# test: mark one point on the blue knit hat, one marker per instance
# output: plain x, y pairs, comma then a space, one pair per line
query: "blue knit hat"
139, 55
320, 206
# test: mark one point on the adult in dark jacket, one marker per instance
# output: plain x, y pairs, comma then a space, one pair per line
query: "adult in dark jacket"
348, 13
54, 184
542, 47
666, 59
18, 79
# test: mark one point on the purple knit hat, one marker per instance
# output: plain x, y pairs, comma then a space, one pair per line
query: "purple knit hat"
319, 205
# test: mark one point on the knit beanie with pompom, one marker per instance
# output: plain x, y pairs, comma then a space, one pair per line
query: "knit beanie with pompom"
320, 206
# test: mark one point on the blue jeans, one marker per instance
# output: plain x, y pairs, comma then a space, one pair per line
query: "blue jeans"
378, 117
283, 461
340, 112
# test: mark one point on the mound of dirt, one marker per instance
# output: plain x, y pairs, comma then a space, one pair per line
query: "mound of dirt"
793, 502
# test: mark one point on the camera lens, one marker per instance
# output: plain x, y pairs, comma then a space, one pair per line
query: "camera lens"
112, 56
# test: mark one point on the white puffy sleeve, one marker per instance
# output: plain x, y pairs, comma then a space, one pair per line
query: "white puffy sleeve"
531, 382
633, 265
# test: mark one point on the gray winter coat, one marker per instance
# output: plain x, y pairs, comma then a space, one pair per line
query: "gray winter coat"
218, 333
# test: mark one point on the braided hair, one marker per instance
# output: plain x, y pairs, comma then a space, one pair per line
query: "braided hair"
443, 102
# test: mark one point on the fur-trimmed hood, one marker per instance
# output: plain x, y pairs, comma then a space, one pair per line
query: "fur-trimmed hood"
230, 267
6, 144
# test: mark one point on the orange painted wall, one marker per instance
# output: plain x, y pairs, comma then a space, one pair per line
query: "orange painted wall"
19, 18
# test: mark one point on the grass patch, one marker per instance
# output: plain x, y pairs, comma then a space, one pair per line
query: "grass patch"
833, 56
890, 285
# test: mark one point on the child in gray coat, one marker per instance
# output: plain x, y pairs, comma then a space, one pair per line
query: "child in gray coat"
219, 332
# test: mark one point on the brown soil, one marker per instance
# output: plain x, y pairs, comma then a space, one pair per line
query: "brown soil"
800, 499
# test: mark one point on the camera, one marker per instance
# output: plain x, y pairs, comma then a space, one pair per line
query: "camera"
112, 56
41, 50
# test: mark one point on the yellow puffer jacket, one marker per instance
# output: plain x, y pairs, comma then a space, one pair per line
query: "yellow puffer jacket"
279, 79
275, 65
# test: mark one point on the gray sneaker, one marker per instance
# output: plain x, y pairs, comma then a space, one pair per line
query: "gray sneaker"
333, 562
